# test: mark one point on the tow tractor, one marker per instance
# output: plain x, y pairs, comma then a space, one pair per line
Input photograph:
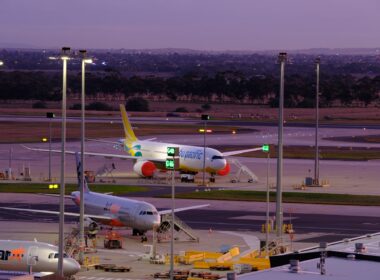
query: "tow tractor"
112, 240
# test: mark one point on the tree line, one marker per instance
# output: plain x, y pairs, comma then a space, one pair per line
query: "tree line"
223, 87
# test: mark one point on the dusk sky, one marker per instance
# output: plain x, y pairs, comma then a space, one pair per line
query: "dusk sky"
194, 24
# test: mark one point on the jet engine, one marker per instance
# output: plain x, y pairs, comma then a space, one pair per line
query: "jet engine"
144, 168
225, 171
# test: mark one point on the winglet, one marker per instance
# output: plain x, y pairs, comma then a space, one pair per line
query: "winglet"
79, 169
129, 134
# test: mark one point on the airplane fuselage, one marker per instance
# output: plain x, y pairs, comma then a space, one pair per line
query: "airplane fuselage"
191, 157
123, 212
19, 255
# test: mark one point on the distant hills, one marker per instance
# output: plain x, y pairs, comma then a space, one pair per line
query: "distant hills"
311, 51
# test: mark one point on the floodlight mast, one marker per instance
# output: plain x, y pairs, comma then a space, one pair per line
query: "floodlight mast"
173, 164
316, 164
85, 61
282, 58
265, 149
65, 57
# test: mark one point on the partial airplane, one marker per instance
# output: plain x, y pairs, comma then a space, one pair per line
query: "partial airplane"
151, 155
20, 255
113, 211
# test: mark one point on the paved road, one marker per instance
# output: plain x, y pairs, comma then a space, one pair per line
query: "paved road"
330, 222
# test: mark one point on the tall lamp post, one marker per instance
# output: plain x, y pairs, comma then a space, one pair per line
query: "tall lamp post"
64, 57
316, 164
50, 116
204, 118
172, 163
82, 177
265, 149
282, 57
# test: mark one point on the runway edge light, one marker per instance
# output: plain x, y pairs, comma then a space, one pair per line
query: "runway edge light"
265, 148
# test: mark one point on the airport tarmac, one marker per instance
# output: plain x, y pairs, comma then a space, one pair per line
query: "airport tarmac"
222, 223
354, 177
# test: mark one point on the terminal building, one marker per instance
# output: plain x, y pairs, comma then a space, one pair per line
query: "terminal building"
356, 258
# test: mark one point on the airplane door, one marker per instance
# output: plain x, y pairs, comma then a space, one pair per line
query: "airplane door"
32, 255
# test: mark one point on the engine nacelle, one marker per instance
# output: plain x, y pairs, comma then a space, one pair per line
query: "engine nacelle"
225, 171
144, 168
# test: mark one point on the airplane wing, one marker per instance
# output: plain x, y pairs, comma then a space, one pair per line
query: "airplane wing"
56, 195
108, 156
231, 153
56, 213
168, 211
104, 141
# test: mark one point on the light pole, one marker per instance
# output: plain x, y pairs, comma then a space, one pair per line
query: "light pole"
205, 118
172, 163
316, 164
65, 58
282, 57
82, 177
50, 116
265, 149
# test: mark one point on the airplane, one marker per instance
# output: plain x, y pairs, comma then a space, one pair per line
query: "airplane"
151, 155
113, 211
21, 255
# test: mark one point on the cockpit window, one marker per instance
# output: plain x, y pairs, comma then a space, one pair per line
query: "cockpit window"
155, 213
216, 157
56, 255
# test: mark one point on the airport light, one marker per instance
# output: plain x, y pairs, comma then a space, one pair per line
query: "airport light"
64, 57
204, 118
316, 164
265, 148
50, 116
85, 61
282, 58
172, 163
1, 63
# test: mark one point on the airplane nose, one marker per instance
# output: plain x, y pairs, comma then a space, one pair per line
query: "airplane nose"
70, 267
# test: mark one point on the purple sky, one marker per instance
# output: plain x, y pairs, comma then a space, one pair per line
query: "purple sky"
195, 24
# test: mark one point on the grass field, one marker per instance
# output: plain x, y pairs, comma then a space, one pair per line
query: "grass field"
31, 132
289, 197
44, 188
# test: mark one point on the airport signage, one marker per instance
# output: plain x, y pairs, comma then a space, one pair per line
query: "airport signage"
265, 148
205, 117
172, 151
172, 163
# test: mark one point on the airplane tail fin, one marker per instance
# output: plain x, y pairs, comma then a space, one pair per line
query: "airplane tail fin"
129, 134
79, 169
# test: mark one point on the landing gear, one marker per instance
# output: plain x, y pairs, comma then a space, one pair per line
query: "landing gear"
212, 178
136, 232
